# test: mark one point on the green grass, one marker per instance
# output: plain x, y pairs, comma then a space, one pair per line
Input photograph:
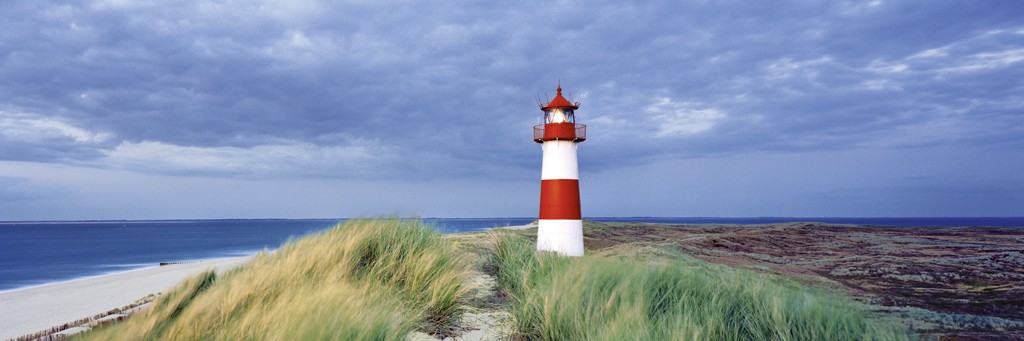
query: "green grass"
666, 298
361, 280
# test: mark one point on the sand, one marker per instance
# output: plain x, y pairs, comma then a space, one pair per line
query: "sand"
519, 227
29, 310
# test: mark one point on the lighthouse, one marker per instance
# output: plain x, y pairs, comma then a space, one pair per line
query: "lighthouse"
560, 228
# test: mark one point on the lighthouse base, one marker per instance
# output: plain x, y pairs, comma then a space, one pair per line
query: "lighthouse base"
564, 237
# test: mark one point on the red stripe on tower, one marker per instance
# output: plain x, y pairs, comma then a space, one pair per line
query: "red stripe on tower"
560, 199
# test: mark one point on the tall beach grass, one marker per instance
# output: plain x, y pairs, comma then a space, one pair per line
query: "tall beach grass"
361, 280
603, 298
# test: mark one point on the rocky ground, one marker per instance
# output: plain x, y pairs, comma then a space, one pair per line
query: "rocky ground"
963, 283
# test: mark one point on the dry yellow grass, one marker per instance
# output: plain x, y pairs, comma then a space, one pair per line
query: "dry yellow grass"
361, 280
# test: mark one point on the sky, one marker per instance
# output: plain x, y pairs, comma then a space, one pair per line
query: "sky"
306, 109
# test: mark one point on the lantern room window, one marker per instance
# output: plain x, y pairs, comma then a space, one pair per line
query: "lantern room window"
559, 115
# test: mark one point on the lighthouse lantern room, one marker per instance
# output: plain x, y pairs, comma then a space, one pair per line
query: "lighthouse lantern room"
560, 228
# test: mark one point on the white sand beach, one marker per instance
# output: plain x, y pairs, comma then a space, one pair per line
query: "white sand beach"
29, 310
519, 227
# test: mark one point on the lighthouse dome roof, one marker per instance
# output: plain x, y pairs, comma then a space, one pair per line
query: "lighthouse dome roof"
560, 102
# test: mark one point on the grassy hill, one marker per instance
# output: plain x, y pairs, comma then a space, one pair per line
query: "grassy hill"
361, 280
648, 292
382, 279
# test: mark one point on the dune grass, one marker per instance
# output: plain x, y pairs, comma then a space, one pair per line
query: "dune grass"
682, 298
361, 280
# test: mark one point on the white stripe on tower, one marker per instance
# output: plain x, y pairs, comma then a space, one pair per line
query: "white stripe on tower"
559, 160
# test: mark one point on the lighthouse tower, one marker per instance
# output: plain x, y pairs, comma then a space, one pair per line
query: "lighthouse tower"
561, 226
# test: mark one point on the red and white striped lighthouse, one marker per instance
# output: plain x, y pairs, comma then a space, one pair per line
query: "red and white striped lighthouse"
561, 226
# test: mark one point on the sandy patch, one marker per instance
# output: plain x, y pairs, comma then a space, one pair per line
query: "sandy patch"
29, 310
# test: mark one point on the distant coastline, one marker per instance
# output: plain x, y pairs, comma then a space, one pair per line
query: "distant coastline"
866, 221
482, 221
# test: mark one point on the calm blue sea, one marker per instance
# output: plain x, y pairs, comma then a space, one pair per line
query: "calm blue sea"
33, 253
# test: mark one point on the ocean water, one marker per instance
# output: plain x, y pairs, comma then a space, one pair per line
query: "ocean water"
34, 253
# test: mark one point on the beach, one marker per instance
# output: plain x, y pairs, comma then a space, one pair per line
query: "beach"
29, 310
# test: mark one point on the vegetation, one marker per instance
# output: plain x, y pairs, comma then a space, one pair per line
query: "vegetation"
361, 280
677, 297
382, 279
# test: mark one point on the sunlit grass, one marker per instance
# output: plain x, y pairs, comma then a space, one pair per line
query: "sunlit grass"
361, 280
682, 298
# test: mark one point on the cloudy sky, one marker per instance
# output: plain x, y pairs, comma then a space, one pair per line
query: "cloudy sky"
252, 109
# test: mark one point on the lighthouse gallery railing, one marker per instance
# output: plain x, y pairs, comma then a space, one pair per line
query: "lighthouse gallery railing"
577, 132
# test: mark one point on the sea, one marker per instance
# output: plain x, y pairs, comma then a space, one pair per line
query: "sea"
35, 253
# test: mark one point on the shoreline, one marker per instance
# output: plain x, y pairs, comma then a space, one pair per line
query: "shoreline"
37, 308
517, 227
126, 268
82, 278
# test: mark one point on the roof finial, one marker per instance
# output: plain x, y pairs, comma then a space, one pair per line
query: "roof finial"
559, 86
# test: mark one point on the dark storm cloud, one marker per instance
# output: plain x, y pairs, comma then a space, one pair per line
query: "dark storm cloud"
426, 90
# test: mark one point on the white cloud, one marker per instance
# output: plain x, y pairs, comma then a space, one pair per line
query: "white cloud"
881, 66
296, 48
788, 68
979, 53
931, 53
118, 4
855, 8
28, 128
985, 60
879, 84
682, 119
289, 157
973, 54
